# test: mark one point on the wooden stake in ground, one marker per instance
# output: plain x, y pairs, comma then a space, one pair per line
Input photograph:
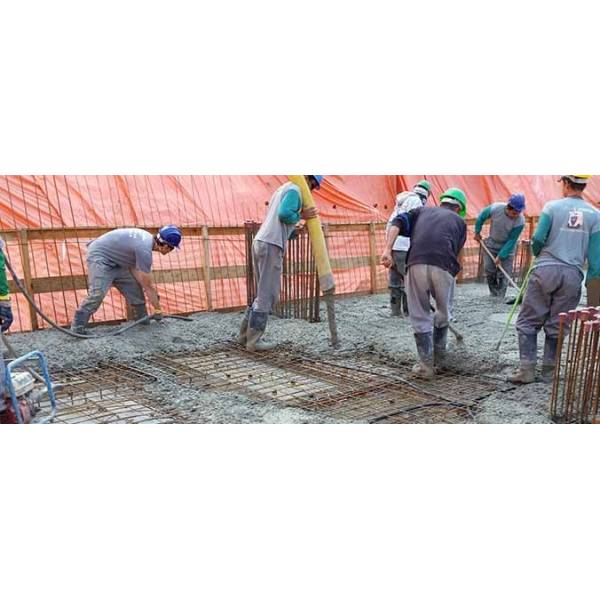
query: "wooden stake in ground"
317, 241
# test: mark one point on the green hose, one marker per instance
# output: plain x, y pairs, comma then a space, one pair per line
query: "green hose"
515, 304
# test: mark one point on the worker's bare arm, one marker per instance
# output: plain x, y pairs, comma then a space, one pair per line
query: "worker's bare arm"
386, 257
145, 280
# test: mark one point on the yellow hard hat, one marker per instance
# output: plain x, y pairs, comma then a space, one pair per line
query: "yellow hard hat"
579, 179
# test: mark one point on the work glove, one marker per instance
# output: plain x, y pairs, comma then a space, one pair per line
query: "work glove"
6, 316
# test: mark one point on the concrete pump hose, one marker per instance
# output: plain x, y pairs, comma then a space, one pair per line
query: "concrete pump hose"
319, 249
64, 329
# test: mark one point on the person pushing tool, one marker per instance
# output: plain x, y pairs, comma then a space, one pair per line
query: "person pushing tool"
437, 235
506, 224
123, 258
568, 232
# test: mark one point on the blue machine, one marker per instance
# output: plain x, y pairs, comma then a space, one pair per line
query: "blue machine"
12, 392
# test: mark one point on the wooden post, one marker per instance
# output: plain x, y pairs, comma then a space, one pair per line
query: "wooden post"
207, 285
25, 262
373, 257
531, 226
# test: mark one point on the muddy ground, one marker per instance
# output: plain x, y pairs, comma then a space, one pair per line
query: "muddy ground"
364, 326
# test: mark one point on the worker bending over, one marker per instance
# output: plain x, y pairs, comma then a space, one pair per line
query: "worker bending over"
285, 211
123, 258
405, 202
437, 235
506, 225
568, 232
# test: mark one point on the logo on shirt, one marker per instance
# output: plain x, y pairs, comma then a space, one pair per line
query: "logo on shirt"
575, 219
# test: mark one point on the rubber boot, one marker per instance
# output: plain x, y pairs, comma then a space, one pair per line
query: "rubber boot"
80, 321
243, 335
528, 357
492, 285
257, 324
501, 289
139, 311
404, 303
395, 302
549, 361
440, 343
424, 368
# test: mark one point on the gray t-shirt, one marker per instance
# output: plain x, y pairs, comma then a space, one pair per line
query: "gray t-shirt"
501, 225
130, 248
568, 224
273, 231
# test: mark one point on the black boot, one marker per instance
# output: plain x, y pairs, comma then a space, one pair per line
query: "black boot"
492, 285
404, 303
80, 321
395, 302
424, 368
243, 335
501, 289
139, 311
549, 361
528, 358
440, 343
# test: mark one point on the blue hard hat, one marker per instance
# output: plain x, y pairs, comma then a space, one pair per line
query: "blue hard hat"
318, 179
517, 202
170, 235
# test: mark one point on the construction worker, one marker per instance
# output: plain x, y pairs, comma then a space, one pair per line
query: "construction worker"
568, 232
284, 213
506, 224
6, 319
437, 235
405, 202
123, 258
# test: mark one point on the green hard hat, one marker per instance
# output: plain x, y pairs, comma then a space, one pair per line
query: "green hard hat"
458, 195
424, 184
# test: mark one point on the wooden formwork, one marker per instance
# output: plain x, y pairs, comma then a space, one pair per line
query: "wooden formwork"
355, 249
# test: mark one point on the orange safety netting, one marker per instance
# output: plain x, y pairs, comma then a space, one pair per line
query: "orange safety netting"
28, 202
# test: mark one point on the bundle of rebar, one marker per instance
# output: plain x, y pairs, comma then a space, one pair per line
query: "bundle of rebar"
300, 292
576, 385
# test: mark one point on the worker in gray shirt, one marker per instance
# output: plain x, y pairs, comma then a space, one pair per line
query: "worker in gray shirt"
123, 258
567, 234
506, 225
285, 211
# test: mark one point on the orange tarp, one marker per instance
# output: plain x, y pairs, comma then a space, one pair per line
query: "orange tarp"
123, 200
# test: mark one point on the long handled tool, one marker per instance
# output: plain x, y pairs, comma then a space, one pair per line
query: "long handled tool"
317, 240
502, 270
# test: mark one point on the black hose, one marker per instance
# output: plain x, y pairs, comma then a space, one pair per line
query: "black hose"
54, 324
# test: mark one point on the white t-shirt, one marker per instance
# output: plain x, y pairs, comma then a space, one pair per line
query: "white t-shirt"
405, 202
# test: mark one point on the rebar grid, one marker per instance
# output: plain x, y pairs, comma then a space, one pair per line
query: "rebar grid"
363, 389
576, 384
345, 389
109, 392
